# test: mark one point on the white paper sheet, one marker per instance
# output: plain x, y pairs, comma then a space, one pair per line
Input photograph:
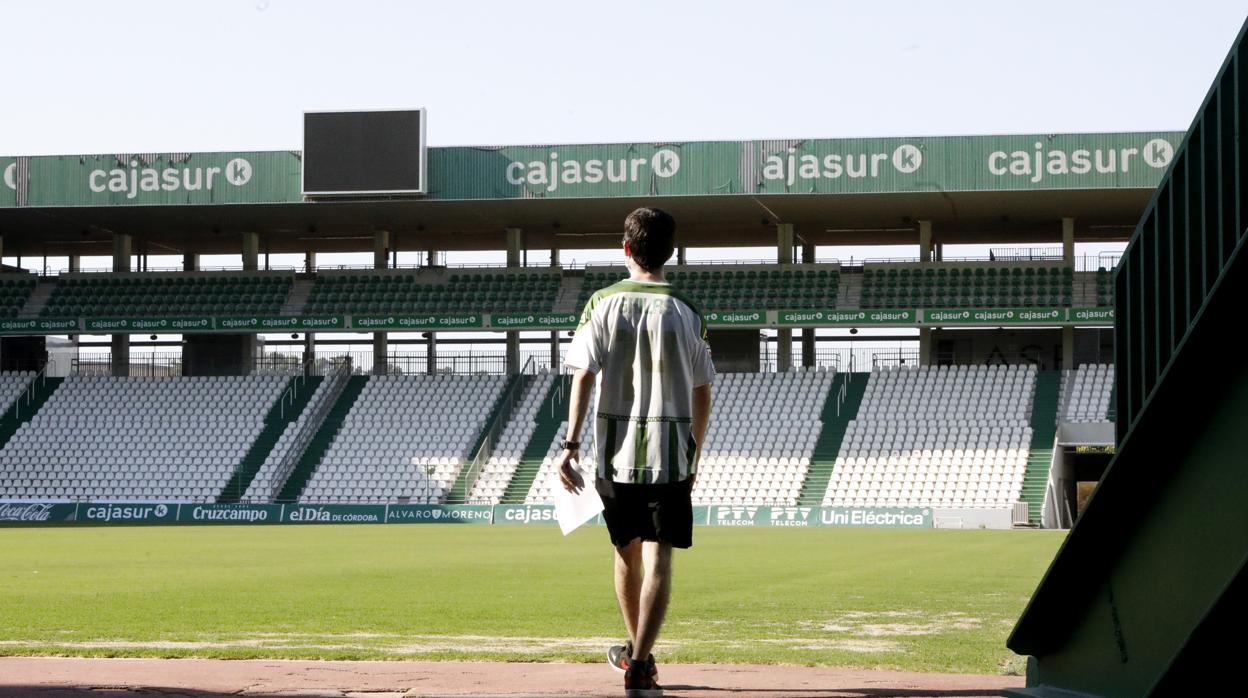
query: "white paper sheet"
573, 510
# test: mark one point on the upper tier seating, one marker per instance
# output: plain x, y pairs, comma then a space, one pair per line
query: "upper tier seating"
948, 436
171, 295
733, 287
404, 439
961, 285
15, 289
1089, 390
492, 483
435, 290
135, 439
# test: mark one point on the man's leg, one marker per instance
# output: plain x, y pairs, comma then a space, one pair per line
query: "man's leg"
655, 592
628, 585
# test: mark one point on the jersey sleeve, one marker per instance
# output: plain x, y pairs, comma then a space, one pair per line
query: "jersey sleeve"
703, 368
586, 349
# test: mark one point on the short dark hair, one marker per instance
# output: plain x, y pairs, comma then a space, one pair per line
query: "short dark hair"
651, 237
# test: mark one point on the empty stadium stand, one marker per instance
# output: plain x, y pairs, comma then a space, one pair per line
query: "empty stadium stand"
491, 484
541, 488
404, 439
1086, 393
168, 294
263, 485
15, 289
175, 439
739, 287
288, 411
938, 437
435, 290
967, 285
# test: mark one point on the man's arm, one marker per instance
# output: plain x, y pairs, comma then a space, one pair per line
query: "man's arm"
701, 418
578, 404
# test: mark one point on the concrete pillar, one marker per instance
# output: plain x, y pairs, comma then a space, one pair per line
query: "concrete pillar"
431, 353
785, 235
1068, 240
190, 261
554, 352
554, 256
251, 251
437, 258
75, 262
309, 261
925, 241
1068, 347
381, 249
309, 351
122, 247
680, 255
381, 352
381, 340
925, 346
808, 333
515, 243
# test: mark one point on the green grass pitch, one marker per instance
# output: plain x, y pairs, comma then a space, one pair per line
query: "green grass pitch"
926, 600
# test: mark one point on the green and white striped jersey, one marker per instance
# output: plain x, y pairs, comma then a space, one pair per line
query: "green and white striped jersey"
646, 342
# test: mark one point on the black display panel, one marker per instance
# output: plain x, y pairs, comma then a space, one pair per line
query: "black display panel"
364, 152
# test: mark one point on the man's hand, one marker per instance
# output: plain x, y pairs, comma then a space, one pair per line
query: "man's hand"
568, 475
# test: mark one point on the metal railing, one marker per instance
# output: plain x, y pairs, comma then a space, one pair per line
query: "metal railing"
506, 405
338, 380
291, 394
28, 394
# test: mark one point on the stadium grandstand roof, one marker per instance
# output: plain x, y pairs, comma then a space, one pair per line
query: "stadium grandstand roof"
975, 189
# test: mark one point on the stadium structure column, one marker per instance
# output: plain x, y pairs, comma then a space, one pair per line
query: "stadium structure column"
808, 333
925, 241
74, 262
515, 241
309, 261
381, 340
785, 235
190, 261
1068, 240
680, 255
431, 353
925, 257
1068, 347
120, 349
554, 336
251, 251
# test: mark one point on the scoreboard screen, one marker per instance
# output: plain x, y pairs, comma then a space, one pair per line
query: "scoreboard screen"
360, 153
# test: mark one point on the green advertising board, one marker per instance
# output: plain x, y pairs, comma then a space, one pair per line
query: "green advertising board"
282, 323
334, 513
440, 513
533, 321
152, 324
39, 325
700, 168
994, 316
833, 318
728, 318
515, 514
37, 512
1091, 315
760, 515
229, 513
417, 322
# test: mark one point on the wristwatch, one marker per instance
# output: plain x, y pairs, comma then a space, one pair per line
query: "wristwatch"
566, 445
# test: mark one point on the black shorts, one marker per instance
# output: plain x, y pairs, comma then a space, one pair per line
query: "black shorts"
662, 512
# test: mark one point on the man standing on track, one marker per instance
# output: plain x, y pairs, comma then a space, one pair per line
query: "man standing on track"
646, 344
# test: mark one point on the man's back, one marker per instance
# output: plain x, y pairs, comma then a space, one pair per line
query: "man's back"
647, 343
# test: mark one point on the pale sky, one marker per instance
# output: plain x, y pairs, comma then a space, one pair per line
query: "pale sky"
100, 76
